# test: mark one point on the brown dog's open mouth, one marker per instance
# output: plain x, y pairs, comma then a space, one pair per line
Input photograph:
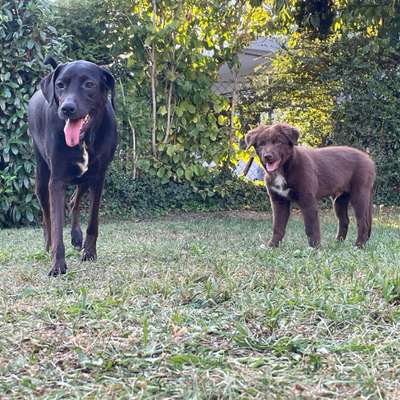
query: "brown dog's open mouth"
271, 167
73, 130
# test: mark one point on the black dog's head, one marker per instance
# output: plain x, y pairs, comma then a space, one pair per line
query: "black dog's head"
79, 89
273, 144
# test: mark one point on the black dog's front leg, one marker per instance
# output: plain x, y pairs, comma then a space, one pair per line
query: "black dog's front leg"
89, 248
280, 217
57, 199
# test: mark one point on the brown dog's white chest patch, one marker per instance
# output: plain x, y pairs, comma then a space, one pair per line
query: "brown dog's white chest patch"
84, 165
279, 186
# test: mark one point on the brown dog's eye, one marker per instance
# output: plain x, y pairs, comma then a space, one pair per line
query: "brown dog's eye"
90, 84
60, 85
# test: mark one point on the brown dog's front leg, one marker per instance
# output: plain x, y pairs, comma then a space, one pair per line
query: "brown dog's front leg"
280, 217
311, 224
89, 248
57, 199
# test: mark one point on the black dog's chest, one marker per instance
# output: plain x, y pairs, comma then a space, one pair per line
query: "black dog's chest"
77, 163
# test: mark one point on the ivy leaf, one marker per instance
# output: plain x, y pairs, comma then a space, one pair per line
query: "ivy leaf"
162, 110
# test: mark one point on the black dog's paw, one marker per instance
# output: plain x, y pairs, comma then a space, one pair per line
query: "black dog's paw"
76, 239
58, 269
89, 255
314, 242
273, 243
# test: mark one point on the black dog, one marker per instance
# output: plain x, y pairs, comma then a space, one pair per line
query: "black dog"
73, 127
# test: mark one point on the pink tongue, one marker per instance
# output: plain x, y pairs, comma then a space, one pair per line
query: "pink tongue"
72, 130
271, 167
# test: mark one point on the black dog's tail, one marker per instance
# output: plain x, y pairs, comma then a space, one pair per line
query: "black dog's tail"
50, 60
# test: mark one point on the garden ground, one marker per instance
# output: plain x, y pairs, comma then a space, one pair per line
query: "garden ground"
197, 306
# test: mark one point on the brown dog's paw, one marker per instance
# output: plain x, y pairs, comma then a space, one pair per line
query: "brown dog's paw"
58, 269
89, 255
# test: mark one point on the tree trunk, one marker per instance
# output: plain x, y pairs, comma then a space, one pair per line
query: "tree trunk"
153, 86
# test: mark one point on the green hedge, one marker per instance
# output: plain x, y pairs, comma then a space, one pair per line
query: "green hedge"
147, 196
23, 36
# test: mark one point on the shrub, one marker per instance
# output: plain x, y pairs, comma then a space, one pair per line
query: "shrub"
147, 196
22, 39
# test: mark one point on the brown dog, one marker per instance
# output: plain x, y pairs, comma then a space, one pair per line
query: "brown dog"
305, 175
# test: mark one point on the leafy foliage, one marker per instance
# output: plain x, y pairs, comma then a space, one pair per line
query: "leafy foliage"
172, 52
337, 81
339, 90
366, 113
166, 56
84, 25
321, 18
23, 37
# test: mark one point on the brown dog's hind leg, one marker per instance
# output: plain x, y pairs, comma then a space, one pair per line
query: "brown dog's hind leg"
42, 192
361, 202
340, 205
76, 232
311, 222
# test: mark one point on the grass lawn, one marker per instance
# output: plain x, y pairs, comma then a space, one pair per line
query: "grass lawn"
198, 307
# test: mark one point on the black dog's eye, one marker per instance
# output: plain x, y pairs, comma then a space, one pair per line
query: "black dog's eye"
90, 84
60, 85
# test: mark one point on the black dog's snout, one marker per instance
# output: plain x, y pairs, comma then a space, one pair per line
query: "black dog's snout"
268, 157
68, 109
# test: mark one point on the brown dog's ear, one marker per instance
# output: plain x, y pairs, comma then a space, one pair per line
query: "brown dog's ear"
109, 83
291, 133
47, 85
250, 139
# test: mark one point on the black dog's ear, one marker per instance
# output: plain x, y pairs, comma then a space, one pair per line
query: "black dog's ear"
291, 133
109, 83
50, 60
47, 85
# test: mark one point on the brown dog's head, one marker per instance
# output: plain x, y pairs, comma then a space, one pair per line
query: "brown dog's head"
273, 144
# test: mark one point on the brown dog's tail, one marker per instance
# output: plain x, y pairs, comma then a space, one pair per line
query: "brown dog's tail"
50, 60
371, 210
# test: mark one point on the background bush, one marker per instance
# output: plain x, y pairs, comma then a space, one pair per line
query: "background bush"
147, 196
336, 78
24, 37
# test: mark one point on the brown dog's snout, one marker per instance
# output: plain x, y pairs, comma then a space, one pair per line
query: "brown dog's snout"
267, 156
